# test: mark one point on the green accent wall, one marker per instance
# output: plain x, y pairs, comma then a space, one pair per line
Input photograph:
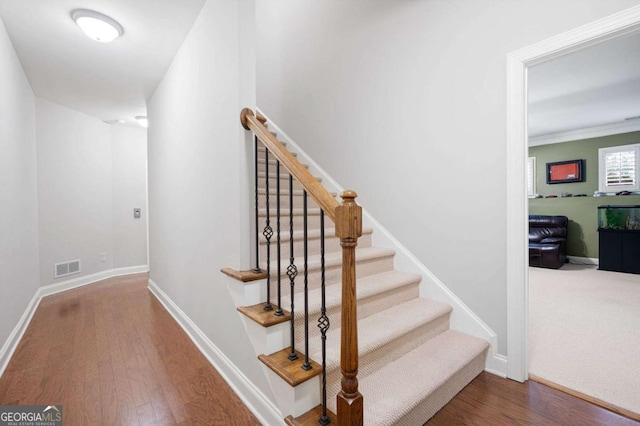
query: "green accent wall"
582, 211
582, 234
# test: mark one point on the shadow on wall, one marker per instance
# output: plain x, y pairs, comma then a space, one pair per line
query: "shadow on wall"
575, 240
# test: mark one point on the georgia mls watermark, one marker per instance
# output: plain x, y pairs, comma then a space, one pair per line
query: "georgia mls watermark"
30, 415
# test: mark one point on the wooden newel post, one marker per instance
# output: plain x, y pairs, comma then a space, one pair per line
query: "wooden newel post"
348, 229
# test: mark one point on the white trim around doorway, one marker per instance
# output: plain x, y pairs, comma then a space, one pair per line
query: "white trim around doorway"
619, 24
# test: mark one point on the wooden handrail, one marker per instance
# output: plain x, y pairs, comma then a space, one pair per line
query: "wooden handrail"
348, 220
314, 188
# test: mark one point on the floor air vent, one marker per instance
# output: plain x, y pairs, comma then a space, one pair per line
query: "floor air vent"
66, 268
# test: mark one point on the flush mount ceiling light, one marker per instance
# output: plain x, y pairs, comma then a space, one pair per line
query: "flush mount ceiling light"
97, 26
142, 119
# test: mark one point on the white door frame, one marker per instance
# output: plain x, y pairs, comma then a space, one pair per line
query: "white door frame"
622, 23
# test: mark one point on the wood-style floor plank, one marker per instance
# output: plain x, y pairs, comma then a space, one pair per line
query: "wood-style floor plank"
491, 400
112, 355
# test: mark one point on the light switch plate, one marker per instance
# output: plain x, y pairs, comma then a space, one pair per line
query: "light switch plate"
136, 213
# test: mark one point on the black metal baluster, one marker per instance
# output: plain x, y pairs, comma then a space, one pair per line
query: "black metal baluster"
268, 232
323, 324
306, 365
278, 311
292, 270
257, 269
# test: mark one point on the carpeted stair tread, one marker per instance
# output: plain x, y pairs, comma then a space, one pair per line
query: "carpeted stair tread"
366, 287
331, 260
262, 212
283, 175
422, 376
285, 192
382, 328
298, 234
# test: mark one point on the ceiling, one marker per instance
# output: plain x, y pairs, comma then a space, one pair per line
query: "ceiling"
592, 87
110, 81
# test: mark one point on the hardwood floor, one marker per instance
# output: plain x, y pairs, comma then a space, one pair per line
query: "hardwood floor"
112, 355
492, 401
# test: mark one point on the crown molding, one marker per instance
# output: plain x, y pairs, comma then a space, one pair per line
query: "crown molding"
586, 133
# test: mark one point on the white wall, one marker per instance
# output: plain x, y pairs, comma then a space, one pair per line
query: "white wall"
405, 102
194, 151
129, 167
19, 278
90, 177
75, 190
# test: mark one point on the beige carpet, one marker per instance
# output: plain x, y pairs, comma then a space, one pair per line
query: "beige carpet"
584, 332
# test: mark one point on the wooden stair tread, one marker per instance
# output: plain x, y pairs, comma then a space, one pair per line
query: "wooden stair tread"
245, 276
310, 418
290, 371
262, 317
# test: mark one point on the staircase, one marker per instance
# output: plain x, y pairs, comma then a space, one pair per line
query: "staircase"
409, 362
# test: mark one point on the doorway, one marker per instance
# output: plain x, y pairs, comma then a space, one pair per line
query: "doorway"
618, 25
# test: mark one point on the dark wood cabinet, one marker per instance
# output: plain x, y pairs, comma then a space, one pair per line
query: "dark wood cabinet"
619, 250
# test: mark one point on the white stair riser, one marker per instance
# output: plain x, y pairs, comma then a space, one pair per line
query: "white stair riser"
246, 294
267, 340
293, 400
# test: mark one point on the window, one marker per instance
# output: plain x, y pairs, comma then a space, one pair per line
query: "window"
618, 168
531, 176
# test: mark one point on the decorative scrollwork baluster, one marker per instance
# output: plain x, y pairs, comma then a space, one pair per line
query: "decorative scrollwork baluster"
257, 269
323, 325
268, 232
306, 365
279, 312
292, 272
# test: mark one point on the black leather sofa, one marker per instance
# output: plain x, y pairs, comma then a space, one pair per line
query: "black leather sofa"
547, 241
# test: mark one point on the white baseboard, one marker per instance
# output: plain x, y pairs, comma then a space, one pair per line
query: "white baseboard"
263, 408
583, 260
48, 290
462, 319
14, 338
